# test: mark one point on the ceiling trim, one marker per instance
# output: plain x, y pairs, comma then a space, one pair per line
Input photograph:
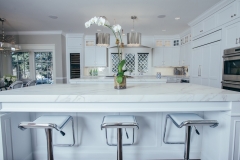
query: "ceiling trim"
35, 33
210, 11
185, 32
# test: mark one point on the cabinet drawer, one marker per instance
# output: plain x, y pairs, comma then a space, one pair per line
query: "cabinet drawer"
215, 36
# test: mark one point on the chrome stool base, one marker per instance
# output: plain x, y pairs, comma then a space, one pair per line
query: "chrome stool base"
188, 120
48, 123
119, 122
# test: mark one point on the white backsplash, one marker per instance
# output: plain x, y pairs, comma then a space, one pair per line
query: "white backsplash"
104, 71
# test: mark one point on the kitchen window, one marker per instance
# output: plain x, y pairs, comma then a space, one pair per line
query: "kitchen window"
44, 67
20, 65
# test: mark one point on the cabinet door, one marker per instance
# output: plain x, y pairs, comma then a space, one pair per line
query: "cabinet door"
197, 29
168, 56
215, 61
196, 80
209, 23
182, 55
204, 67
89, 57
187, 56
227, 14
74, 42
158, 57
176, 56
196, 62
232, 35
101, 56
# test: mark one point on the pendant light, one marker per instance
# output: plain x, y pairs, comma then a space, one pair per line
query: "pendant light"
133, 38
7, 46
103, 39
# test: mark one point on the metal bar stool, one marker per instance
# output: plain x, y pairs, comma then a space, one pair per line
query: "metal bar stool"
119, 122
48, 123
188, 120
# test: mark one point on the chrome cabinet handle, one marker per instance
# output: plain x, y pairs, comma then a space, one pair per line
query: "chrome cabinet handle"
201, 31
236, 40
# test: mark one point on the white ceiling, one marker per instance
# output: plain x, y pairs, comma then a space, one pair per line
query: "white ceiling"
32, 15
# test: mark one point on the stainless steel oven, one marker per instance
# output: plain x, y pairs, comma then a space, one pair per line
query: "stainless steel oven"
231, 69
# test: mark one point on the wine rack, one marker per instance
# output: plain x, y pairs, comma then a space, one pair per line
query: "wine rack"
75, 71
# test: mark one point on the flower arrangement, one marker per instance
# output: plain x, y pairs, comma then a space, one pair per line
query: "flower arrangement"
116, 29
9, 79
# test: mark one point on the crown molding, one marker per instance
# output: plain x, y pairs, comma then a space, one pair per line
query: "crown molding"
210, 11
166, 36
185, 32
34, 33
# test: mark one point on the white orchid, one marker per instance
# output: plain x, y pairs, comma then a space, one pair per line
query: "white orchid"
101, 21
117, 28
87, 24
94, 20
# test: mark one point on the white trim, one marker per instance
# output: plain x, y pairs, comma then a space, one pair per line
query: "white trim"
61, 78
74, 34
210, 11
34, 32
166, 37
185, 32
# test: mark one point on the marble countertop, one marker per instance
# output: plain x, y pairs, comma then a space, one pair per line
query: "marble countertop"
104, 92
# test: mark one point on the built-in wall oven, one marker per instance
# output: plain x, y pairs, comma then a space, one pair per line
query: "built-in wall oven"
231, 69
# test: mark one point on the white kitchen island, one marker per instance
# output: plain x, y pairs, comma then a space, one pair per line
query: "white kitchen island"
150, 103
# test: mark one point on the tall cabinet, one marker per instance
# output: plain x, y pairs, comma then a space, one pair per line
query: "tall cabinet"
74, 54
205, 65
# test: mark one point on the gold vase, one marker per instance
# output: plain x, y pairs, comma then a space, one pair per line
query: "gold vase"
122, 85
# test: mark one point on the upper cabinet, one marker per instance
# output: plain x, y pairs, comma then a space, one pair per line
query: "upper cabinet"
94, 56
204, 26
232, 36
227, 14
167, 43
74, 42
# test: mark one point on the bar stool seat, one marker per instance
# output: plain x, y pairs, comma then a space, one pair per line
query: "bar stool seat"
119, 122
188, 120
48, 123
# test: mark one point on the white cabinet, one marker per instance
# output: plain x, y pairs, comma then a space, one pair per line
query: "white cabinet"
185, 55
95, 57
227, 14
158, 57
176, 56
197, 29
166, 56
232, 36
74, 42
89, 57
205, 68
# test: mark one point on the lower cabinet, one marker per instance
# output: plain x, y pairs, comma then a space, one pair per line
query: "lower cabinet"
205, 68
95, 57
16, 144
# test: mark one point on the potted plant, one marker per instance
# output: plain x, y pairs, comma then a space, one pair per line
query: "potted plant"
120, 78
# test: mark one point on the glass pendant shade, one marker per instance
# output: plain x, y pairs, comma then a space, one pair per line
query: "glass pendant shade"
103, 39
134, 39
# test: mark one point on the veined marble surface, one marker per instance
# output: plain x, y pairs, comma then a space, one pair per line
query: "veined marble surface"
135, 79
104, 92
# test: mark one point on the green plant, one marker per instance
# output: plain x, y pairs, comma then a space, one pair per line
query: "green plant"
100, 21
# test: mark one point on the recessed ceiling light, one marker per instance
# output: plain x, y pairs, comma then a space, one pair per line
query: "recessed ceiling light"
177, 18
53, 17
161, 16
99, 30
164, 30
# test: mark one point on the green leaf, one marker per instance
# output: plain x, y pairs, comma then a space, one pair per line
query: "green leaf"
119, 79
120, 66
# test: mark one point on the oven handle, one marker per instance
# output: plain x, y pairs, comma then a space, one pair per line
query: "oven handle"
231, 55
234, 83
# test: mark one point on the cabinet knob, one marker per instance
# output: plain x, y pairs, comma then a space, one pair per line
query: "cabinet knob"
201, 31
231, 16
234, 14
